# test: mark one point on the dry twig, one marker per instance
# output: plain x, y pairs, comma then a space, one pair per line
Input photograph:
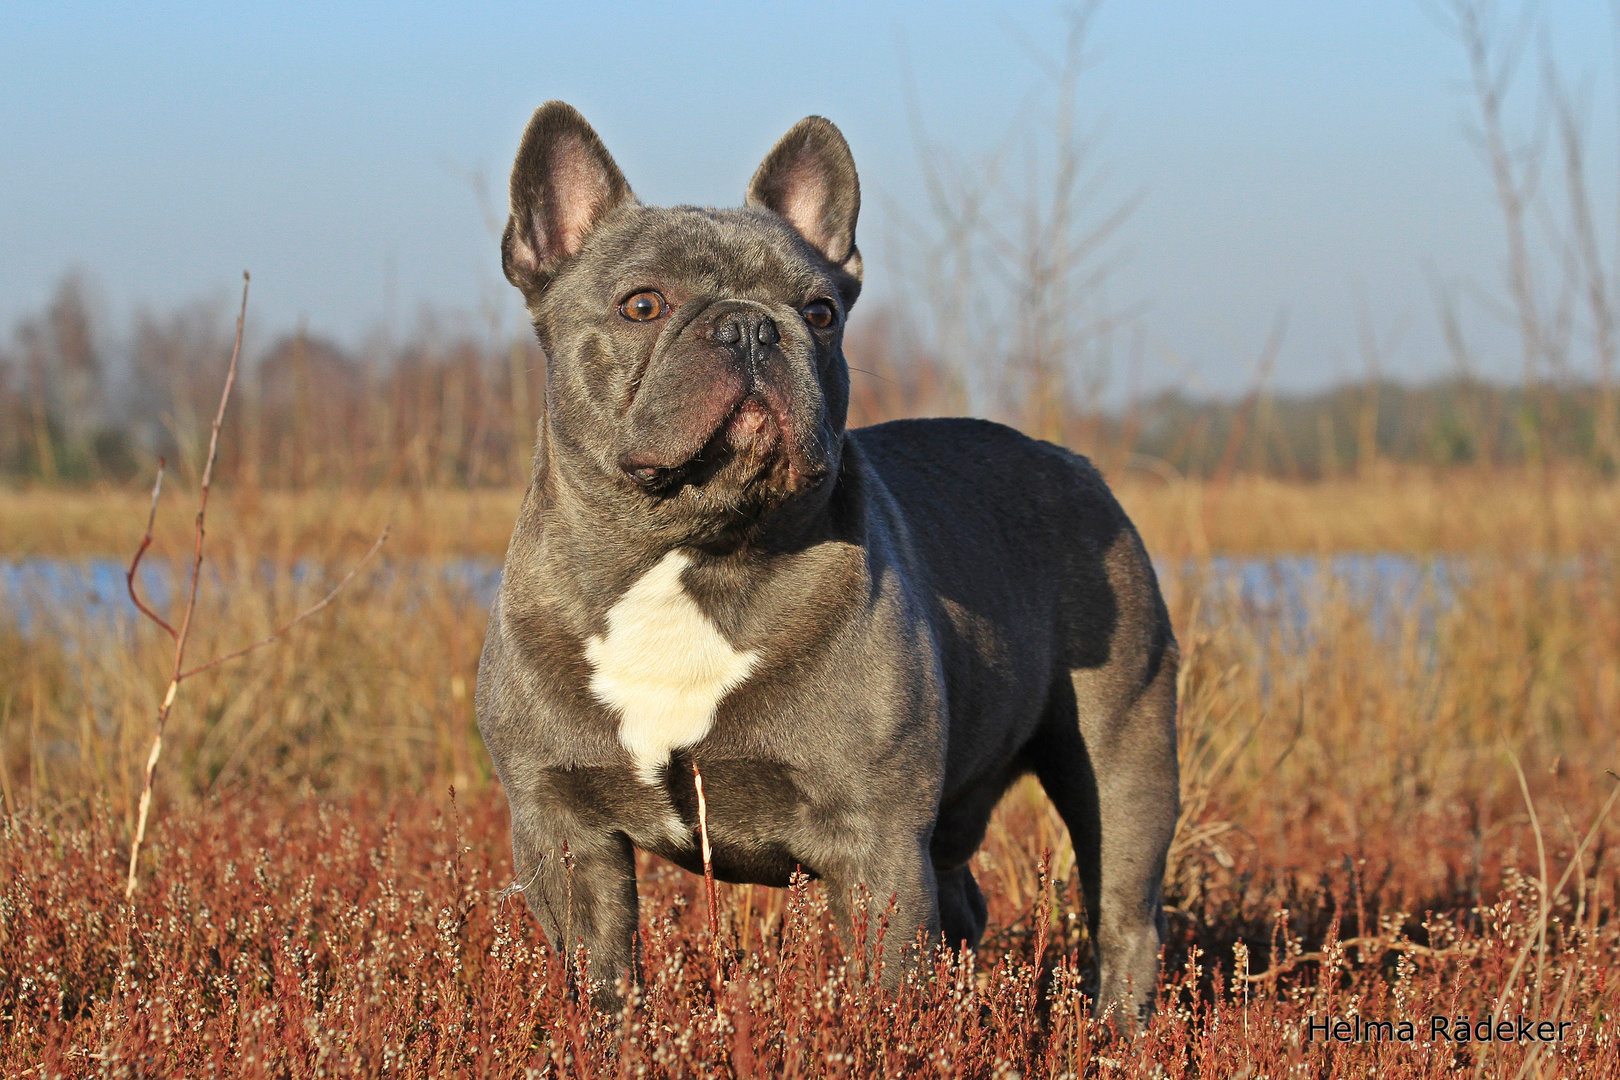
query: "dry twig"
708, 863
1379, 943
179, 672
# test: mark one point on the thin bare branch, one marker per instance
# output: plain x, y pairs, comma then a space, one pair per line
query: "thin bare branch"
1590, 267
135, 563
1382, 944
300, 617
207, 483
181, 636
1243, 420
708, 864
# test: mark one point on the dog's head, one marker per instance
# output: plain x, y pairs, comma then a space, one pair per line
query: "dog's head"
695, 362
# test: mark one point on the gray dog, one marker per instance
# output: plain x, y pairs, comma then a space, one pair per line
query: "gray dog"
860, 637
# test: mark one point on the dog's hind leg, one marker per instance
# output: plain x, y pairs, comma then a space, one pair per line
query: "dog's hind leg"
1112, 774
962, 911
958, 833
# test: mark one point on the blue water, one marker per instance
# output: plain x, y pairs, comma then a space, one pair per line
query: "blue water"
1386, 587
36, 592
1283, 591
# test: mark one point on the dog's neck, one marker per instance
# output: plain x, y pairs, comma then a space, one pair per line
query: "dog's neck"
591, 542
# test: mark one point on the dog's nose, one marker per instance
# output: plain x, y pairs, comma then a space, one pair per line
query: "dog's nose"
748, 333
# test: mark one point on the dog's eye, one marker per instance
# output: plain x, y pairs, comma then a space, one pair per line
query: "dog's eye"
819, 314
643, 307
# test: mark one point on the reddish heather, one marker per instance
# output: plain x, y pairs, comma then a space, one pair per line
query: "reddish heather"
277, 937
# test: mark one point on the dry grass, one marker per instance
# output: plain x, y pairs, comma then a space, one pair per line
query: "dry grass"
1405, 511
375, 690
277, 525
1349, 775
1416, 512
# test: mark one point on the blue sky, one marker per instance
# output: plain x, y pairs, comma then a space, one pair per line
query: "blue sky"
1289, 155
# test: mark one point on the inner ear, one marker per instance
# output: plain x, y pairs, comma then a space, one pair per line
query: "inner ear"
809, 179
563, 183
586, 184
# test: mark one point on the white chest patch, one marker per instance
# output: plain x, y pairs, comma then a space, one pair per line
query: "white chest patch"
663, 666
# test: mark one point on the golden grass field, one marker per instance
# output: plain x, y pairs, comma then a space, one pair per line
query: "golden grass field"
1415, 511
1417, 781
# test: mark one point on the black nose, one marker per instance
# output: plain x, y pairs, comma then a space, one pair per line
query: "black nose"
749, 334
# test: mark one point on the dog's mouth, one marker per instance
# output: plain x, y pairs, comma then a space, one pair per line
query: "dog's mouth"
750, 447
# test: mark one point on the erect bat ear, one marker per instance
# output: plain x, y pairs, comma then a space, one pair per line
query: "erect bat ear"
809, 178
563, 182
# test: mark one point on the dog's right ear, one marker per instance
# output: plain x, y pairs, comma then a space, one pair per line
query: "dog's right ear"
563, 182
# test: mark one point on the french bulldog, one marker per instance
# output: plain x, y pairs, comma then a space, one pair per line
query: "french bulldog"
860, 637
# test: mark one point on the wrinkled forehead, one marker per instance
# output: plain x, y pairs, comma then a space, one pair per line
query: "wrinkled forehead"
706, 252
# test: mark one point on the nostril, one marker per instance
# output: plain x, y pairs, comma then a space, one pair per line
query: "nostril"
767, 332
728, 332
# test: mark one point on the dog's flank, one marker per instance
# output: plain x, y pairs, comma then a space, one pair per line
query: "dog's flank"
662, 666
860, 639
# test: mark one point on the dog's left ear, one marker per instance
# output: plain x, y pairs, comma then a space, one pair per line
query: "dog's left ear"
809, 178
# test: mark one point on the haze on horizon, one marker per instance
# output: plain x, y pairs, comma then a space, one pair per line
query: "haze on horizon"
1303, 160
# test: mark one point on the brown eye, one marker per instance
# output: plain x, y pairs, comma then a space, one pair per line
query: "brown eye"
819, 314
643, 307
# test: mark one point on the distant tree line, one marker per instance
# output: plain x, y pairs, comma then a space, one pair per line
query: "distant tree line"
441, 408
1347, 430
460, 409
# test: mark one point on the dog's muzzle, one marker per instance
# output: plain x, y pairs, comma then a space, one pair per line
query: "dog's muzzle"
723, 393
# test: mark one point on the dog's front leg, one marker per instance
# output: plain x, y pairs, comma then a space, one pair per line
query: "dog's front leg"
891, 871
581, 885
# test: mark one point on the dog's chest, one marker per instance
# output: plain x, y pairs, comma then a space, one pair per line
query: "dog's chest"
663, 666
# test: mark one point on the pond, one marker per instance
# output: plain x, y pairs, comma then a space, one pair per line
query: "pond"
1387, 587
